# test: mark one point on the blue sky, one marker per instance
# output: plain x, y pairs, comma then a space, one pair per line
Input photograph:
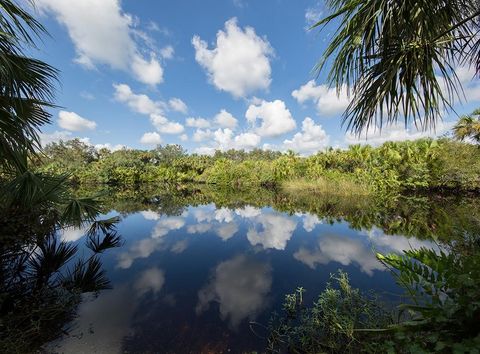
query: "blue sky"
210, 74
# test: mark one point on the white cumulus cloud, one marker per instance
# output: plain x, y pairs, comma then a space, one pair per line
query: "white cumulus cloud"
197, 122
225, 119
73, 122
274, 232
311, 139
139, 103
225, 140
103, 34
275, 118
167, 52
143, 104
328, 102
240, 287
178, 105
151, 138
163, 125
240, 62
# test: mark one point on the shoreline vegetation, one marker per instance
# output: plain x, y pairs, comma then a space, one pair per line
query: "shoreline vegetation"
392, 168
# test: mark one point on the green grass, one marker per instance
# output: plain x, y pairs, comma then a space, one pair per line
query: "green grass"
321, 186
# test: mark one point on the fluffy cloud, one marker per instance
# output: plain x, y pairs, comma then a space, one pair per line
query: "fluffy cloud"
240, 286
163, 125
240, 62
326, 99
276, 118
143, 104
150, 215
310, 221
164, 226
396, 132
103, 34
178, 105
150, 280
225, 120
227, 231
197, 123
311, 139
167, 52
73, 122
340, 249
202, 135
141, 249
151, 138
138, 103
205, 150
179, 246
225, 140
63, 135
248, 212
198, 228
275, 232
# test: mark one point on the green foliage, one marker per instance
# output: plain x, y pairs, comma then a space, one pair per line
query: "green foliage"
440, 313
443, 291
456, 166
468, 127
26, 84
41, 287
397, 59
387, 170
333, 324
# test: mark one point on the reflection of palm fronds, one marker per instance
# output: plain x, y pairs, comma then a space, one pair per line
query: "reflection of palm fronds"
99, 245
86, 276
49, 258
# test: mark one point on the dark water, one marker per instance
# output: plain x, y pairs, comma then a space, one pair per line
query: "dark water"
196, 269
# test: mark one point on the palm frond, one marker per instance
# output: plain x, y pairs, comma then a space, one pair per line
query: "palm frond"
50, 257
104, 226
89, 277
29, 189
398, 58
79, 211
99, 244
26, 84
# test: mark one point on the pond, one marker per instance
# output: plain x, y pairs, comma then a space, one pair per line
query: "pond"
202, 270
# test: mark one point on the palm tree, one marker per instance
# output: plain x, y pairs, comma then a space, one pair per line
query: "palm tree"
397, 58
41, 278
26, 84
468, 127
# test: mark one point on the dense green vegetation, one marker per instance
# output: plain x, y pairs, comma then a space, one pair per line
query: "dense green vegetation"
391, 168
440, 315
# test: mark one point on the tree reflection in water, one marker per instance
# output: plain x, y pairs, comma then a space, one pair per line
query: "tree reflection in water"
174, 291
43, 279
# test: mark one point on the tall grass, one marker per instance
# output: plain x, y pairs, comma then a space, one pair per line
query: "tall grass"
320, 186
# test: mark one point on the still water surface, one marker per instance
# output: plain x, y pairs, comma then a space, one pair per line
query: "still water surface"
193, 278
